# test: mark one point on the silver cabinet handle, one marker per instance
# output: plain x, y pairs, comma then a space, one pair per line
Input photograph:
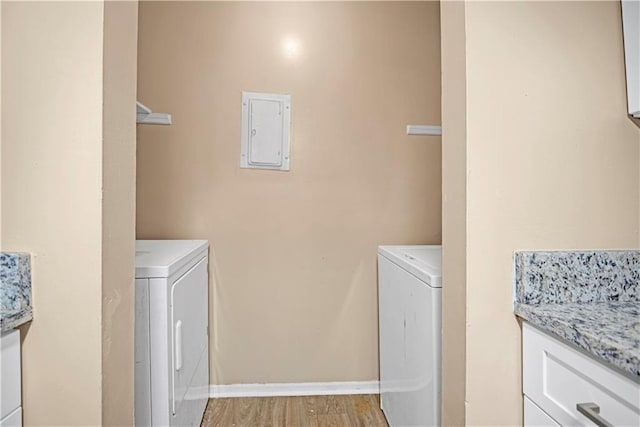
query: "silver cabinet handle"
592, 411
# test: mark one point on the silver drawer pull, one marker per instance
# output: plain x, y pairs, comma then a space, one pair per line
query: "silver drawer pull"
592, 411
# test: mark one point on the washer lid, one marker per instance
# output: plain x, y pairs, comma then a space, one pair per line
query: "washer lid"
162, 258
423, 261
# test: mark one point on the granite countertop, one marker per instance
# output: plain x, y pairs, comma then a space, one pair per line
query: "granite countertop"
610, 331
587, 298
15, 290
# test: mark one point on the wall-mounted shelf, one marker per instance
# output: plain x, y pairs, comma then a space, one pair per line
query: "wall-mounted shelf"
145, 116
424, 130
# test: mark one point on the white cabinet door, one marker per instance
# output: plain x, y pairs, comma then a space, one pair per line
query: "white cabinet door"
9, 372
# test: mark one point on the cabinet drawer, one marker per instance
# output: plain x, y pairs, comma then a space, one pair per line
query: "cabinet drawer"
9, 372
556, 377
535, 417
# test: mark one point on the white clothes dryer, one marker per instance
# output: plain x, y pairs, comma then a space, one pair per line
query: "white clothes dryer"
171, 332
410, 301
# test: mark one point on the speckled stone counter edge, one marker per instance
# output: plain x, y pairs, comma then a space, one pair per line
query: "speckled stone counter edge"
560, 277
15, 290
10, 321
606, 331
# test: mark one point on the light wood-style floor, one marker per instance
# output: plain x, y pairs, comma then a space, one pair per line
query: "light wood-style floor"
304, 411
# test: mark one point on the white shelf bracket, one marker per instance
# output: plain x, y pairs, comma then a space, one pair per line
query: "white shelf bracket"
145, 116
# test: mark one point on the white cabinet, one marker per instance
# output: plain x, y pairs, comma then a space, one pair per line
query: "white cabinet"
631, 31
536, 417
10, 391
558, 377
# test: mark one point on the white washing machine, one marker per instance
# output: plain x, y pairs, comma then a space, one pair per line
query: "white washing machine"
410, 307
171, 332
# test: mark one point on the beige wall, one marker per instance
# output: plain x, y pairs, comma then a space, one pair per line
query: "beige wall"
293, 254
52, 203
118, 210
552, 163
0, 122
51, 170
454, 210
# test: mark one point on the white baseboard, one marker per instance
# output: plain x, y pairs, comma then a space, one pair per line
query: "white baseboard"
294, 389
